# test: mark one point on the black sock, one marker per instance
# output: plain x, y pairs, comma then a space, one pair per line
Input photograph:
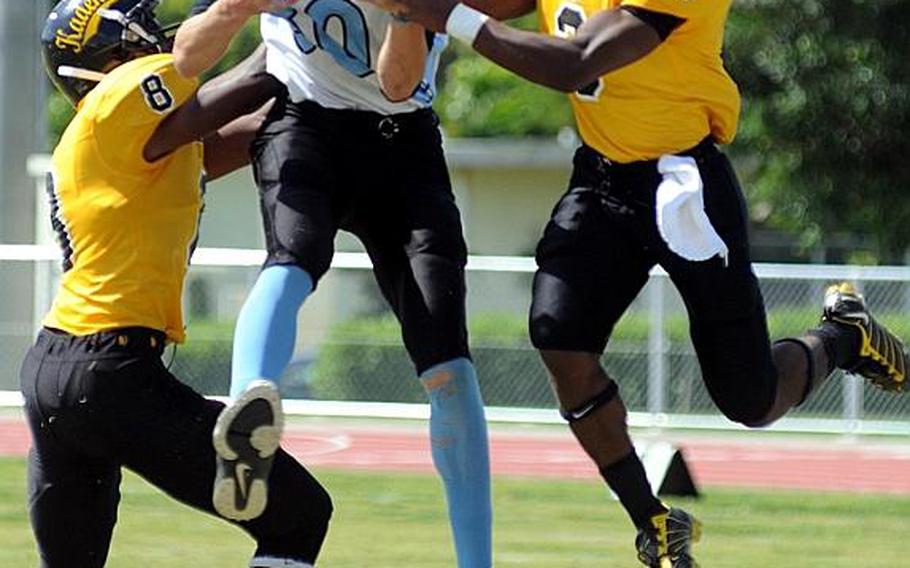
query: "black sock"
841, 343
627, 479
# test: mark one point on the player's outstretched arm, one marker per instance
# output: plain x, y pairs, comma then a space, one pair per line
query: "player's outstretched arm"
608, 40
605, 42
203, 39
238, 92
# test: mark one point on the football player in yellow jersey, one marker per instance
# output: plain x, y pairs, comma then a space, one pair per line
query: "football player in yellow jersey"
650, 187
126, 199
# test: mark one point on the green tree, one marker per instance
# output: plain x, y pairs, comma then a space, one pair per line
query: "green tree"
479, 99
826, 87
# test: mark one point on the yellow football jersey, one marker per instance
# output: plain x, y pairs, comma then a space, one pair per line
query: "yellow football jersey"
666, 102
126, 226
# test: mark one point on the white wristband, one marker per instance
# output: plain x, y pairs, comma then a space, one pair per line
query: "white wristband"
464, 23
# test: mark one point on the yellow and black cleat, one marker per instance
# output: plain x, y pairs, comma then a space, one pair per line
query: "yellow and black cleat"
667, 543
883, 358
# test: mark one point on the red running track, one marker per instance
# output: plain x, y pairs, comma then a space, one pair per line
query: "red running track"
747, 462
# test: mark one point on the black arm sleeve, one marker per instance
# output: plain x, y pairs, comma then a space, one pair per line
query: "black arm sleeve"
201, 6
663, 24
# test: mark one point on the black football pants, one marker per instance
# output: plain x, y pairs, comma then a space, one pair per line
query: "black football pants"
98, 403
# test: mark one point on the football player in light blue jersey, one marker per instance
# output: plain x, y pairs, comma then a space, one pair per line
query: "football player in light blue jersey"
353, 145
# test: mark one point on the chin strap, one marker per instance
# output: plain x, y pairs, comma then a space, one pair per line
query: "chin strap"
79, 73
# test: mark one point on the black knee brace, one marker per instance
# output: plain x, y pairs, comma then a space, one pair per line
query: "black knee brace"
588, 408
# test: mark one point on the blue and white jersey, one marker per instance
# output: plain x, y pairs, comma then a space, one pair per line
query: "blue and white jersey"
326, 50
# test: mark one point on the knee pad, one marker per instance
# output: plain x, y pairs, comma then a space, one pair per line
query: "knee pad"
444, 242
546, 335
433, 312
561, 321
309, 252
540, 330
545, 330
748, 407
306, 240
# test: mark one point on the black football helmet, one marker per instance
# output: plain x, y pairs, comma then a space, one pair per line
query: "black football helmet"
84, 39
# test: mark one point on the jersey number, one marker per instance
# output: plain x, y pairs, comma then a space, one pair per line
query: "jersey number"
353, 53
156, 94
568, 21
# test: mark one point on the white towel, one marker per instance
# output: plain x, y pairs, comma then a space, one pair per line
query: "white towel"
681, 217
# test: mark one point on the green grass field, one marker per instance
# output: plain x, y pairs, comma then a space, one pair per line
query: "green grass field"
399, 521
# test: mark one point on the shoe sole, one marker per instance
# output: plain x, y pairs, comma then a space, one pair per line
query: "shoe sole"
254, 460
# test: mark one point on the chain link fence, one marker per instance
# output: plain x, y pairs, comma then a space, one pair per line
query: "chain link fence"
349, 346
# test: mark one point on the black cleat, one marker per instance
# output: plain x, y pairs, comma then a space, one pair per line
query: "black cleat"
882, 358
246, 437
667, 543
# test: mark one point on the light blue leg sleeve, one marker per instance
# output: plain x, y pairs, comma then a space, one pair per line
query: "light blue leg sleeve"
458, 433
267, 325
